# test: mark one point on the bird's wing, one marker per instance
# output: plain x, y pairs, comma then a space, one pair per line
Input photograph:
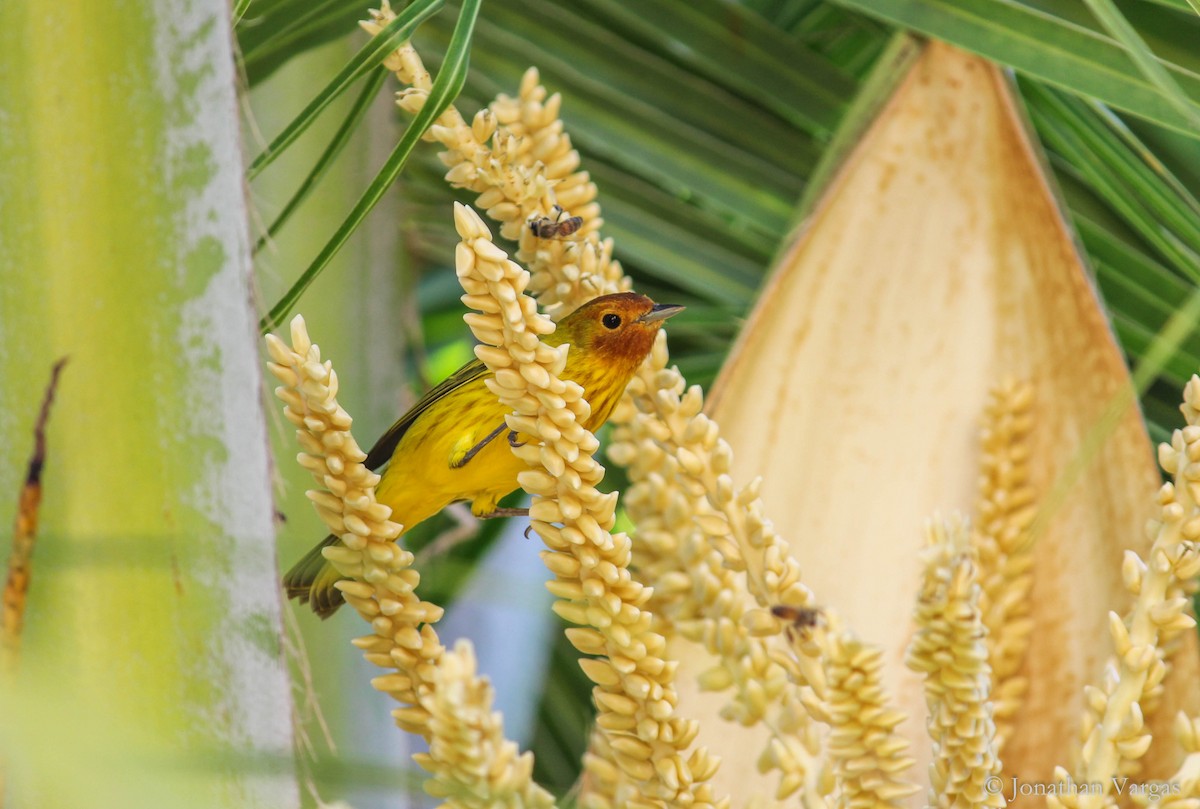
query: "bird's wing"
386, 445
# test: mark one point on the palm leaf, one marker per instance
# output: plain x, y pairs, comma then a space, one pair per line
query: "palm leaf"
445, 89
1055, 49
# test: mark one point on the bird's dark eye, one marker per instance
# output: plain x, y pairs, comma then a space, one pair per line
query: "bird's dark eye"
611, 321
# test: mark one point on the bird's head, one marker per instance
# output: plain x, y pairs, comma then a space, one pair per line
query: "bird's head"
616, 330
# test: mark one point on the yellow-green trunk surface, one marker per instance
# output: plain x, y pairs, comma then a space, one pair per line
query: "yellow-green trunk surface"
152, 658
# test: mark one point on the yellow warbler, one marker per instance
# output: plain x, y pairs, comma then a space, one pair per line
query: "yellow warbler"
450, 445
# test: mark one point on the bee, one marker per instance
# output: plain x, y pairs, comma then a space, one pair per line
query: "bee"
801, 618
557, 228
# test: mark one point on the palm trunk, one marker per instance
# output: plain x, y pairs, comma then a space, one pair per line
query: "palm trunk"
152, 663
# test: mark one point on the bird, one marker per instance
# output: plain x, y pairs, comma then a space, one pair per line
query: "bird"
445, 449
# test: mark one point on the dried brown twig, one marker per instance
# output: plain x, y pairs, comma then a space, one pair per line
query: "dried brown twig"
20, 558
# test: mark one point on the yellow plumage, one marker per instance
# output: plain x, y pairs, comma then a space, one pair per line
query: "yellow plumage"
453, 444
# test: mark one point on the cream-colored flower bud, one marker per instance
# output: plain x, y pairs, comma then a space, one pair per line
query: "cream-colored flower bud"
449, 706
635, 696
867, 757
951, 651
1114, 740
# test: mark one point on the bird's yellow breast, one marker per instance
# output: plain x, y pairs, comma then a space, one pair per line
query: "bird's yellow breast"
422, 479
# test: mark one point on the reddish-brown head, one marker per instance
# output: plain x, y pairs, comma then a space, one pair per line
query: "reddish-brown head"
609, 337
614, 329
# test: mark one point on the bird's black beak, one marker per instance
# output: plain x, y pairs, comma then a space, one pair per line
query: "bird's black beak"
660, 312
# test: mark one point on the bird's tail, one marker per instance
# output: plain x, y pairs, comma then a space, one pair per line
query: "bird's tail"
312, 579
